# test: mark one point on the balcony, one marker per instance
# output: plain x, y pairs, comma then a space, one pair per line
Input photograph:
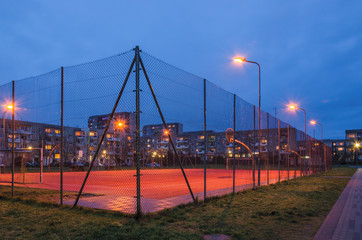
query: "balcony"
22, 131
162, 147
16, 140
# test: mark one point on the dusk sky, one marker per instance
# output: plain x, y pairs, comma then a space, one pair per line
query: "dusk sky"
309, 51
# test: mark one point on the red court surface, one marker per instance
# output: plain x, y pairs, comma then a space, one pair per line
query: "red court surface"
160, 188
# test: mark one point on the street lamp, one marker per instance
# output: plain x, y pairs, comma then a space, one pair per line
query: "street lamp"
313, 122
166, 132
357, 146
241, 60
294, 107
8, 107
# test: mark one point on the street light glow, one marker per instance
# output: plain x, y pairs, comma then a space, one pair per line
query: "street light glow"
165, 132
313, 122
357, 145
30, 147
292, 106
239, 60
9, 106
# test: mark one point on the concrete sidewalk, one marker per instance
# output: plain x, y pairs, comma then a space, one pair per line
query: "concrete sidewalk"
344, 220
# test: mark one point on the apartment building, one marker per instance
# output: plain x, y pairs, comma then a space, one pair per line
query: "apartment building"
29, 137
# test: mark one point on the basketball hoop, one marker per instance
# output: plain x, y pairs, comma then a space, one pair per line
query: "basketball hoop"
229, 134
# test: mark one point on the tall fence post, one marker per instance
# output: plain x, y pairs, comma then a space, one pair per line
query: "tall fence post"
61, 134
234, 119
325, 157
268, 149
295, 157
13, 139
138, 153
205, 140
254, 147
279, 150
288, 148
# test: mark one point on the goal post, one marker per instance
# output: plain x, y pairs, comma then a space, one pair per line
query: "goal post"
28, 163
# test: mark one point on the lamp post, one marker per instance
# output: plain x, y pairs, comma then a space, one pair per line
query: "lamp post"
8, 107
294, 107
166, 133
317, 123
241, 60
313, 122
357, 146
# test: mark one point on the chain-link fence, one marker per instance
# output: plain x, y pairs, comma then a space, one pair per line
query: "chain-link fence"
132, 133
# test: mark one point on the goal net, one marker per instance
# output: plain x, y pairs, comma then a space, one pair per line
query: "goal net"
27, 166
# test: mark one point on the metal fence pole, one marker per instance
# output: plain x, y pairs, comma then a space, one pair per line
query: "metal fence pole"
279, 149
205, 140
138, 153
268, 148
288, 148
295, 158
13, 140
234, 119
61, 134
254, 147
41, 161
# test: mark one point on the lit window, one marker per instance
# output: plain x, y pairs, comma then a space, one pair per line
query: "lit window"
351, 135
92, 134
340, 149
48, 147
48, 130
57, 131
341, 144
78, 134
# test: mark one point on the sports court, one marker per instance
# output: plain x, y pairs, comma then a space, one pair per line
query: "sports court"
160, 188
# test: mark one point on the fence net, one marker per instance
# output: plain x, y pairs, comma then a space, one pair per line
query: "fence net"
172, 137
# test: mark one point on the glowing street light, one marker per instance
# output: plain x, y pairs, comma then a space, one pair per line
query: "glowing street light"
357, 145
239, 60
295, 107
8, 107
313, 122
242, 60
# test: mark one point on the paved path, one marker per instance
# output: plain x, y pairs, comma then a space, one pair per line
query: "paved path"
344, 220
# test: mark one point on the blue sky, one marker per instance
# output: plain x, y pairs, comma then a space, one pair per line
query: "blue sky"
310, 51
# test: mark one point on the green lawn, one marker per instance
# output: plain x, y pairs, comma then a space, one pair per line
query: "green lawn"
287, 210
